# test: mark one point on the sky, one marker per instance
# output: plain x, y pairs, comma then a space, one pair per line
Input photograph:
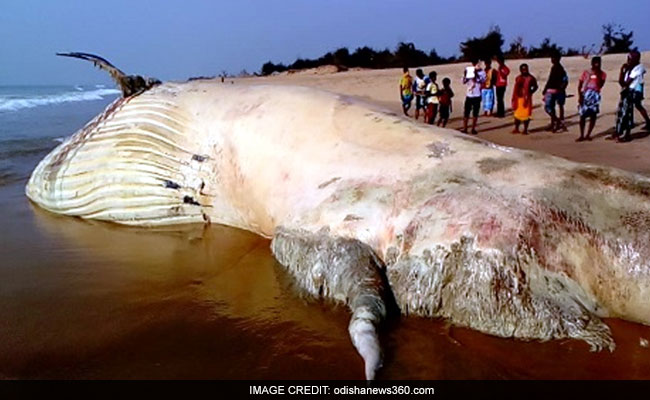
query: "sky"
174, 40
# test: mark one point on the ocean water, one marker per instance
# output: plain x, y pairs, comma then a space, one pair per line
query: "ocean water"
84, 299
34, 119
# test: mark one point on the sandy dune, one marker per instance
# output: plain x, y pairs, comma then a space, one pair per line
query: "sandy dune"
381, 87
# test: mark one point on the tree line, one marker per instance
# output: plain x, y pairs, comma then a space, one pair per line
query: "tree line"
616, 39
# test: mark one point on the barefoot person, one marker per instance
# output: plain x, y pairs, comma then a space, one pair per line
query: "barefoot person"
487, 90
522, 98
473, 79
555, 92
631, 80
501, 83
445, 95
420, 87
432, 99
406, 90
589, 86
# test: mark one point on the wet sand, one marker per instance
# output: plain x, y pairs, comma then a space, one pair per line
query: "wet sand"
92, 300
83, 299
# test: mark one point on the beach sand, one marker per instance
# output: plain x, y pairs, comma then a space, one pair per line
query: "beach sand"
381, 87
82, 299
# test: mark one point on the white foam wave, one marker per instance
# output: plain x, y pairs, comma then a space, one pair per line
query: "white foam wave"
14, 104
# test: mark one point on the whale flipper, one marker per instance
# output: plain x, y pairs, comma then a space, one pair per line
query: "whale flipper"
129, 84
345, 270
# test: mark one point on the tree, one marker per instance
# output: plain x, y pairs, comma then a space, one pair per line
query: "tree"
342, 57
517, 49
268, 68
616, 39
484, 47
363, 57
545, 49
434, 58
385, 59
407, 55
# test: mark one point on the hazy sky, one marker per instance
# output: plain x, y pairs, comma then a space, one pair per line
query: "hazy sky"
172, 39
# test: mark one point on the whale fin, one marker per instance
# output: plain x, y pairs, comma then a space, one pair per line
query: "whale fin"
345, 270
129, 84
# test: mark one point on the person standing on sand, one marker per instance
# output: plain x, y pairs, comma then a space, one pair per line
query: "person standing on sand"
555, 93
487, 90
445, 95
522, 98
432, 99
631, 79
420, 88
589, 86
473, 79
406, 90
501, 83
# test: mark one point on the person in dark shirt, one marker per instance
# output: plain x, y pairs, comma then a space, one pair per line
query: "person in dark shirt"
444, 97
502, 72
555, 93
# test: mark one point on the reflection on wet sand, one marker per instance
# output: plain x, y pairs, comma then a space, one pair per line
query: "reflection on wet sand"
85, 299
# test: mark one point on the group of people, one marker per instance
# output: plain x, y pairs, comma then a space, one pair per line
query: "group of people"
484, 84
431, 100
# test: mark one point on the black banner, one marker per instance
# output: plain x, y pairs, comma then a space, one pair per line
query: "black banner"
323, 389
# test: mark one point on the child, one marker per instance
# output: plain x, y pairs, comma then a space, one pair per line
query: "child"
502, 73
444, 98
406, 91
432, 99
487, 90
419, 87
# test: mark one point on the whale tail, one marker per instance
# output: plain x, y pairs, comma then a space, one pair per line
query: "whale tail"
345, 270
130, 85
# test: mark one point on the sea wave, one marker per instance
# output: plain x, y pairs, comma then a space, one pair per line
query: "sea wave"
17, 103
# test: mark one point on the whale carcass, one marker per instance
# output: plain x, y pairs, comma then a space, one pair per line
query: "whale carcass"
369, 209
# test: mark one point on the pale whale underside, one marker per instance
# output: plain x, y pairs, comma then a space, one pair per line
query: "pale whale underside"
367, 208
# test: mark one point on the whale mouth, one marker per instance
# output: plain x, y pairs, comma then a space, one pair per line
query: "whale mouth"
132, 164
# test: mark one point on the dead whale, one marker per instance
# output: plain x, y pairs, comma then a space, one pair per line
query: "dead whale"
366, 208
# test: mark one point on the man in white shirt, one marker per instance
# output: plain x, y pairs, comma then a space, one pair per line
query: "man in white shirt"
473, 79
631, 80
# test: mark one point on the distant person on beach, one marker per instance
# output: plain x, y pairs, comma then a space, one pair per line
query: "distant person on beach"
473, 79
589, 86
420, 87
631, 79
487, 89
502, 72
522, 98
406, 90
555, 93
432, 99
445, 108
